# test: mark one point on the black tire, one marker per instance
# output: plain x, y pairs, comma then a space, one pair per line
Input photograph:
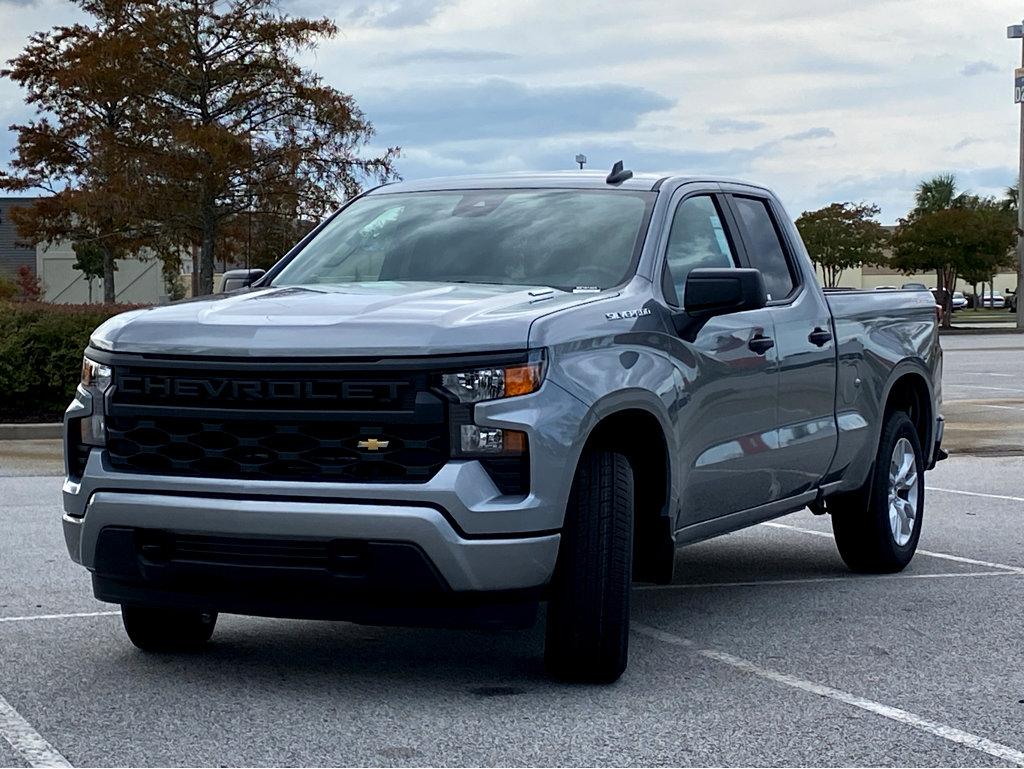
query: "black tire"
159, 630
861, 522
588, 609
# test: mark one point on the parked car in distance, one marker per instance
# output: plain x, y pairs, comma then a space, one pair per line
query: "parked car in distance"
914, 287
959, 300
995, 301
885, 288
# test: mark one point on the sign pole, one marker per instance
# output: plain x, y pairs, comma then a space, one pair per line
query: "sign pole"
1020, 205
1016, 32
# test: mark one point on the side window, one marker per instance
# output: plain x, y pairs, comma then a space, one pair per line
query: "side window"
765, 249
697, 239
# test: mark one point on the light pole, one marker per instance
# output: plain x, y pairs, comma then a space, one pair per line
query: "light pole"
1016, 32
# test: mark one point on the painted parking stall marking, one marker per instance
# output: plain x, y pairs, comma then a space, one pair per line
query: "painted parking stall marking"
945, 556
949, 733
72, 615
976, 493
26, 741
846, 578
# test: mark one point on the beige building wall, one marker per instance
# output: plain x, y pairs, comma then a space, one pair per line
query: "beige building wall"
873, 277
137, 281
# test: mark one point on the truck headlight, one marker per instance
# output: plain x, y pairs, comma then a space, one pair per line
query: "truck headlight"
487, 384
96, 378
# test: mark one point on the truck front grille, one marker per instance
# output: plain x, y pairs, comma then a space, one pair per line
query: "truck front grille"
283, 449
277, 423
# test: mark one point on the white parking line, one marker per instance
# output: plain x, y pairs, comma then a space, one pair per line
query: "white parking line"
32, 617
932, 554
996, 406
847, 578
986, 387
25, 740
975, 494
948, 733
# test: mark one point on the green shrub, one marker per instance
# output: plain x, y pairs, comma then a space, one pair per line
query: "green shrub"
41, 348
8, 288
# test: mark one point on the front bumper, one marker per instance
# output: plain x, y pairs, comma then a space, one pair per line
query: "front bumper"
463, 564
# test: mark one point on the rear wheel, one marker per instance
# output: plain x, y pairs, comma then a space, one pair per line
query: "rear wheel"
883, 537
588, 610
157, 629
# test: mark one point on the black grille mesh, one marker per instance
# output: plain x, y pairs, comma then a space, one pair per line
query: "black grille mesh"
282, 449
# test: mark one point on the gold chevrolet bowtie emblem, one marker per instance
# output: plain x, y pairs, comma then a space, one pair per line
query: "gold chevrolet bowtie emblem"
372, 444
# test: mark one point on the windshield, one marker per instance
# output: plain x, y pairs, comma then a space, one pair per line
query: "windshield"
562, 238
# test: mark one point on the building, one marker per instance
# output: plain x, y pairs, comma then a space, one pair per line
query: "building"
14, 253
136, 281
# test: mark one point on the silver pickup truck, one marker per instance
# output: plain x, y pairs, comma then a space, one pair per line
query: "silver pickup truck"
458, 399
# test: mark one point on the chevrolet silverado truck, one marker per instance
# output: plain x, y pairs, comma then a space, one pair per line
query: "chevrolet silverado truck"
462, 400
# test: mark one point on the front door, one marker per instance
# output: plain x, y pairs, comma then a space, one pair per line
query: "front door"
728, 374
807, 433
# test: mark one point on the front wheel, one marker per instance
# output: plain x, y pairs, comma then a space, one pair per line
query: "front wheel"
588, 610
155, 629
883, 538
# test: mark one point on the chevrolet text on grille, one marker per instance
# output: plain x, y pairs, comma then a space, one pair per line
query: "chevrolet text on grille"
252, 389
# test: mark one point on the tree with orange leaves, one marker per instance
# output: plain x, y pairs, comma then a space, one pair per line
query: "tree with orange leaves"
171, 119
80, 80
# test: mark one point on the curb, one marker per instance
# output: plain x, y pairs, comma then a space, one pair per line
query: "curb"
966, 330
31, 431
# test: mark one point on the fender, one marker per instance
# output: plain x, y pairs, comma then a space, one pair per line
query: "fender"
860, 470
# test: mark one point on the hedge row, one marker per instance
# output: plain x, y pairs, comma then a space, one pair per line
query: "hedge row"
41, 349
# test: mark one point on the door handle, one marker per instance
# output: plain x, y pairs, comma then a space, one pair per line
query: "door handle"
760, 344
819, 337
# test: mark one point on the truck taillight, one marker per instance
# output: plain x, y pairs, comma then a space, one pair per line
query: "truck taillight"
940, 313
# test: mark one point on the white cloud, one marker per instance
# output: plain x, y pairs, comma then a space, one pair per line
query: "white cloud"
846, 100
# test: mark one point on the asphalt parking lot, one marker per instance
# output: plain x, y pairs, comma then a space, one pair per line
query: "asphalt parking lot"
765, 651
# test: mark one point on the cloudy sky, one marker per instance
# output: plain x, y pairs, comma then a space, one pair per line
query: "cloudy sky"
824, 100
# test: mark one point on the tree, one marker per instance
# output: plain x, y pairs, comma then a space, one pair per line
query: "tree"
936, 194
1009, 201
162, 121
237, 120
970, 240
90, 260
842, 236
82, 83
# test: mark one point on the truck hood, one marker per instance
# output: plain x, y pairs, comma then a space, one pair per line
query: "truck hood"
357, 319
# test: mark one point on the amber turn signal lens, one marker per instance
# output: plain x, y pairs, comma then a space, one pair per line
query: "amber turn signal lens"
521, 380
515, 442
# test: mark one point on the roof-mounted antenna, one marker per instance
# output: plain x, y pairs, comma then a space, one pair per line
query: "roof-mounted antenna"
618, 174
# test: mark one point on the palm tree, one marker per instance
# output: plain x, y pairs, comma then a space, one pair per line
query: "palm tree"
936, 194
1009, 201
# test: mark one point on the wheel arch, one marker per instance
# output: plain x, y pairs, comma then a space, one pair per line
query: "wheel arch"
637, 432
909, 389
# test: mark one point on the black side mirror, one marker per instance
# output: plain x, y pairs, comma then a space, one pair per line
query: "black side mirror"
236, 279
721, 291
